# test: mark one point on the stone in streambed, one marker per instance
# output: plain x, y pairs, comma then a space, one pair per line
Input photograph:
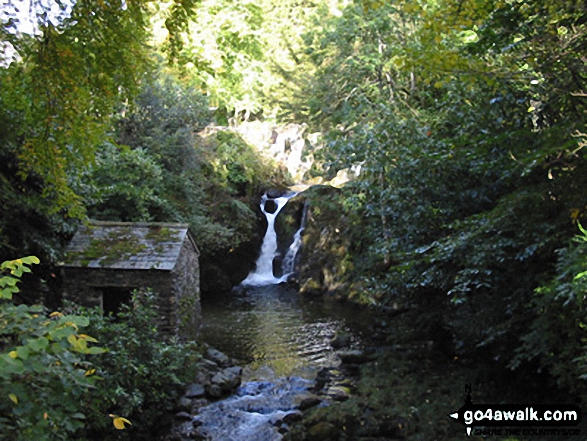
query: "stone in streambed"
292, 418
184, 404
214, 391
217, 357
197, 404
338, 393
228, 379
308, 403
194, 390
183, 416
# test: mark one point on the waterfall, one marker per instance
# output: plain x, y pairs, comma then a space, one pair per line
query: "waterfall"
263, 273
289, 261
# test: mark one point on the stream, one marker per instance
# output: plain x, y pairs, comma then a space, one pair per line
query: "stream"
279, 338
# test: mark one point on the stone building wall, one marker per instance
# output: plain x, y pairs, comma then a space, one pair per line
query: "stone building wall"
86, 287
186, 290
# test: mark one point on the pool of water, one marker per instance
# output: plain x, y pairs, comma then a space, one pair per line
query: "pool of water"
281, 340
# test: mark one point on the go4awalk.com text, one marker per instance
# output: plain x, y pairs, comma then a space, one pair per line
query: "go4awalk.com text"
515, 419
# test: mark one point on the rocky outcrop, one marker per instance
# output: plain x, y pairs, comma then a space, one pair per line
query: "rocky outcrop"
324, 260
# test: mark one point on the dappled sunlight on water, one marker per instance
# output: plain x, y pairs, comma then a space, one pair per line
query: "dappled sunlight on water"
281, 340
272, 326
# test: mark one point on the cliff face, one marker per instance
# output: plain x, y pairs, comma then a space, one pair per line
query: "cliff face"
325, 263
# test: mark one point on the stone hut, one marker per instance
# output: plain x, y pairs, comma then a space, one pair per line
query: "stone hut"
106, 261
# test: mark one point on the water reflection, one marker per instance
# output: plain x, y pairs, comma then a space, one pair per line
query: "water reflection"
273, 327
281, 340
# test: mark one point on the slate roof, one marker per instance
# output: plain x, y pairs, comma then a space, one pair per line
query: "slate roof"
127, 245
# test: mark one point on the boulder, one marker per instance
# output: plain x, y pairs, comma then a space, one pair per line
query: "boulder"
228, 379
208, 365
217, 357
183, 416
197, 404
308, 403
184, 404
338, 393
214, 391
292, 417
194, 390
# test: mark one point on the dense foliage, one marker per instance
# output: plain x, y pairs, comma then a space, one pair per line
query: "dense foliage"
56, 386
158, 169
45, 374
466, 121
140, 375
101, 129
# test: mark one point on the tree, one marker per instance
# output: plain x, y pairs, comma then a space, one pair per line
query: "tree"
60, 93
461, 117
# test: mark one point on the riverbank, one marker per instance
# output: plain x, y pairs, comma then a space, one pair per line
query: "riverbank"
408, 388
383, 381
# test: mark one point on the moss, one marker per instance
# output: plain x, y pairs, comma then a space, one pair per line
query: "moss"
159, 234
107, 250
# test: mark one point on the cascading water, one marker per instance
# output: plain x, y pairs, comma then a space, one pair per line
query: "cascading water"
263, 273
289, 261
280, 338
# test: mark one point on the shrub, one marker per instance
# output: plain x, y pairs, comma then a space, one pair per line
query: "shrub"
45, 371
141, 374
56, 386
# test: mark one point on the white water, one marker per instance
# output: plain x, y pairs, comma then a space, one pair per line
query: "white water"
289, 261
281, 340
251, 413
263, 273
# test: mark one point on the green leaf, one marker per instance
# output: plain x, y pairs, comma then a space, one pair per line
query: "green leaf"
96, 350
29, 260
39, 344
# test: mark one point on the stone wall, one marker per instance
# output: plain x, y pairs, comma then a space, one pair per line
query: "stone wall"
84, 285
185, 279
178, 300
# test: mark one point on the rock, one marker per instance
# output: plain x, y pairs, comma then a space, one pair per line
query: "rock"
217, 357
208, 364
228, 379
214, 391
308, 403
199, 403
183, 416
194, 390
353, 356
326, 374
323, 431
275, 193
203, 376
184, 404
341, 340
292, 417
338, 393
